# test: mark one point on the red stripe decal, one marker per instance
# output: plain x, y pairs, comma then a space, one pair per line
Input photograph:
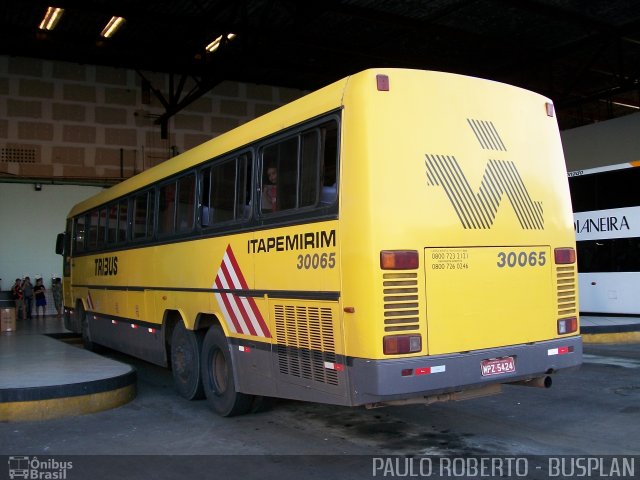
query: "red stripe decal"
246, 307
236, 268
237, 302
230, 311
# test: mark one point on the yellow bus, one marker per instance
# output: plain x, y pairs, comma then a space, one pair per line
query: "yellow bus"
398, 236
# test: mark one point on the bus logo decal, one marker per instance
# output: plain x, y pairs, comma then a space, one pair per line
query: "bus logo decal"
487, 135
241, 313
478, 210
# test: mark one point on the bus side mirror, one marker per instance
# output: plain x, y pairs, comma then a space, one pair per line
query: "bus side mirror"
60, 244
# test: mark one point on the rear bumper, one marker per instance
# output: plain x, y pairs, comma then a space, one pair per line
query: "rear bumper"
381, 380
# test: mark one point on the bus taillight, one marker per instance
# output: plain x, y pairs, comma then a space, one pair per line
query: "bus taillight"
567, 325
398, 259
396, 344
564, 256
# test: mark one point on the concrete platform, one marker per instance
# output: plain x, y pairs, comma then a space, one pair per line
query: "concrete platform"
43, 377
610, 329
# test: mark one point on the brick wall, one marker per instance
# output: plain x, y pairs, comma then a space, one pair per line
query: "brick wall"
61, 119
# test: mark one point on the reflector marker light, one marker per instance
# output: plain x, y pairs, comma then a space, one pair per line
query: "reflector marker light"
564, 256
559, 351
399, 259
334, 366
567, 325
244, 349
397, 344
429, 370
550, 109
382, 82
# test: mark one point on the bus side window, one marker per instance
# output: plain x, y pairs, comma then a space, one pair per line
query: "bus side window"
301, 171
167, 209
139, 223
102, 227
226, 192
112, 224
79, 233
280, 176
309, 168
186, 198
206, 212
223, 181
243, 187
329, 156
122, 220
94, 218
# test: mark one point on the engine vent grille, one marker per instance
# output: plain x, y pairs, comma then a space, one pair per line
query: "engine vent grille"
566, 288
305, 342
401, 308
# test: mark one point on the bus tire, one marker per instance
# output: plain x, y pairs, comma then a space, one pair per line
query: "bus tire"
217, 376
83, 321
185, 362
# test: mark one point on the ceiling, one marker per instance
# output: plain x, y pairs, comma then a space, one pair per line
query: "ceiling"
585, 55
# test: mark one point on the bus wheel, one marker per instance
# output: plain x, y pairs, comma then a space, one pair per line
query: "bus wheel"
217, 375
185, 362
83, 320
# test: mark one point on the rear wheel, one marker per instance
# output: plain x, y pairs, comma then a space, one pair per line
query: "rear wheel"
217, 376
185, 362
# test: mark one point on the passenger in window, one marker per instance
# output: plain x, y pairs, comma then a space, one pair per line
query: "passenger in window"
269, 191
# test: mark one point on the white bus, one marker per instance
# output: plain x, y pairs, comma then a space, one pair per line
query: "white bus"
606, 209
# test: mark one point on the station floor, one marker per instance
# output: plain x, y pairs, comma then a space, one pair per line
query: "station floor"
45, 373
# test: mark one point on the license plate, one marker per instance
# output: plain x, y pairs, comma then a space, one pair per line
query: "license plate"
497, 366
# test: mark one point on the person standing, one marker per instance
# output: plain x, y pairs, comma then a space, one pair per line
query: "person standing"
41, 299
56, 290
27, 290
18, 297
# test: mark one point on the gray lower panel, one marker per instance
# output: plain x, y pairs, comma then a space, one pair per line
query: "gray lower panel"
381, 380
258, 371
129, 338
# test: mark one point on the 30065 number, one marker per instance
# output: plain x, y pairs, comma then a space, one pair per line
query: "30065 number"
317, 260
521, 259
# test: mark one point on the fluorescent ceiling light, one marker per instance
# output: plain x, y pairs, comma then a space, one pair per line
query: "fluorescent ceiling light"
51, 18
626, 105
114, 24
213, 46
635, 107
